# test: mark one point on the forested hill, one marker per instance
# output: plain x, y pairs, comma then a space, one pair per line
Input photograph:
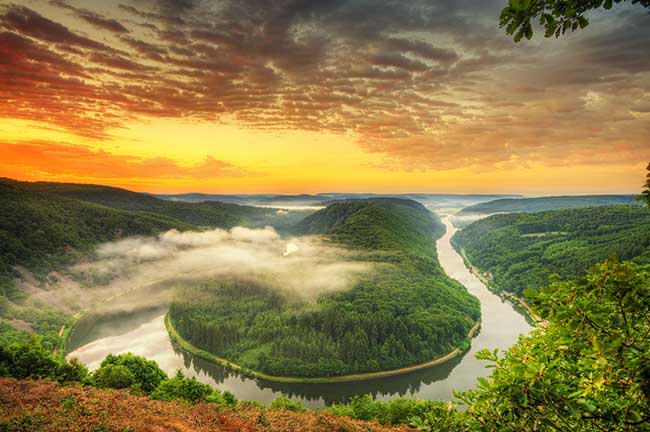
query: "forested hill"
213, 213
531, 205
522, 250
38, 230
377, 223
404, 311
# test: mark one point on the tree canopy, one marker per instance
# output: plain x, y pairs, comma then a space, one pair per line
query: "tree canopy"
522, 250
645, 195
556, 16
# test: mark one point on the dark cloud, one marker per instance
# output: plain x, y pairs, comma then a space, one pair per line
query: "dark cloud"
30, 23
422, 49
176, 8
93, 18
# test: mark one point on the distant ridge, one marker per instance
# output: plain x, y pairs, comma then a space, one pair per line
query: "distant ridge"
326, 198
532, 205
214, 214
376, 223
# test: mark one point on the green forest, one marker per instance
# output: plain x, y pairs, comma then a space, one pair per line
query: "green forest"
532, 205
406, 312
586, 370
523, 250
49, 226
201, 214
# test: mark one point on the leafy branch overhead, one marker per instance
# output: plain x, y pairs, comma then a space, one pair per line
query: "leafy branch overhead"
556, 16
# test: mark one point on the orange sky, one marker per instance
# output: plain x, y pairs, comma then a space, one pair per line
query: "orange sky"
277, 100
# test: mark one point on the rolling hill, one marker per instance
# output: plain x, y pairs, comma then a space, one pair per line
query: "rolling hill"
211, 213
522, 250
41, 230
532, 205
376, 223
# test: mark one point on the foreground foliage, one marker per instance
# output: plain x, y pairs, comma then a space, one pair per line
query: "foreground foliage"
645, 193
32, 360
588, 370
556, 16
44, 406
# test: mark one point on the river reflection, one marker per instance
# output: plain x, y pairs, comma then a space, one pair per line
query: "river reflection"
142, 332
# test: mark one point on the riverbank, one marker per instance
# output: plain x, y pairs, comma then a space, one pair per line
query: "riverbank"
64, 334
66, 331
518, 302
187, 346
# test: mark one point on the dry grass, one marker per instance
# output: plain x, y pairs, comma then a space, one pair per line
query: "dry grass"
43, 406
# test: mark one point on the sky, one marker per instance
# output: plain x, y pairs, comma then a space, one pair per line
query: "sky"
303, 96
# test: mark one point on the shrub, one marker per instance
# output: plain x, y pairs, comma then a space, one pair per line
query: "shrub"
147, 373
284, 402
114, 376
182, 388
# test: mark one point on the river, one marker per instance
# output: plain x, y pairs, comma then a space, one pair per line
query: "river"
143, 333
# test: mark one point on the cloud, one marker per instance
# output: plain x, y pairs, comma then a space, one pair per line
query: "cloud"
30, 23
427, 85
59, 159
300, 268
93, 18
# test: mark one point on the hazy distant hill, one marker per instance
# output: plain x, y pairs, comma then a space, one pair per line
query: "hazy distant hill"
531, 205
302, 198
214, 214
522, 250
327, 198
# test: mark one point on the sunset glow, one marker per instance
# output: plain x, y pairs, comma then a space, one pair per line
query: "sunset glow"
291, 97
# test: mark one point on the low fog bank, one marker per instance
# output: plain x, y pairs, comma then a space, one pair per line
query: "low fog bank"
463, 220
301, 268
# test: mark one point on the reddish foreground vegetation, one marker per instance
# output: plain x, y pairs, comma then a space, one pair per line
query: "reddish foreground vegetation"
27, 405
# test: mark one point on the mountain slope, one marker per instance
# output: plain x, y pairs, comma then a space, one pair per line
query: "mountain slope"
522, 250
213, 213
531, 205
41, 232
38, 230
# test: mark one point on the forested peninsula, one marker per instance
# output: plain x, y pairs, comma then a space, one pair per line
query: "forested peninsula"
406, 311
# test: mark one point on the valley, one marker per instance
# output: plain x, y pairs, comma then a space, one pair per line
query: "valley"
324, 216
377, 304
144, 333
